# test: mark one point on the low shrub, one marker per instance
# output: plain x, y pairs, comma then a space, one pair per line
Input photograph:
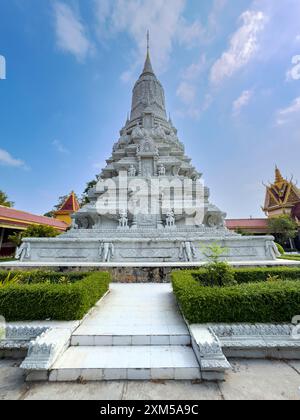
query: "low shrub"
253, 275
36, 276
290, 257
280, 249
266, 302
218, 274
46, 300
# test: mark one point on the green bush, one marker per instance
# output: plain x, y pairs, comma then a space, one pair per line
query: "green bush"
33, 277
62, 302
280, 249
34, 231
218, 274
290, 257
252, 275
254, 302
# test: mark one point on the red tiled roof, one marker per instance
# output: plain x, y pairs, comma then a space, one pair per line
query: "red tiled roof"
13, 217
71, 205
247, 223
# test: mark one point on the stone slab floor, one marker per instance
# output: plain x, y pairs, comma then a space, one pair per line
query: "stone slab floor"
250, 380
135, 309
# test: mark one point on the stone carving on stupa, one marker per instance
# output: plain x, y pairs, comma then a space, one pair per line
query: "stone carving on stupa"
150, 203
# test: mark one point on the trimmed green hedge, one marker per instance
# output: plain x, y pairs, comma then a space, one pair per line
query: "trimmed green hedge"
36, 276
290, 257
62, 302
254, 275
253, 302
280, 249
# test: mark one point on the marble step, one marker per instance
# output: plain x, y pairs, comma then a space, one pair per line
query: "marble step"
126, 363
142, 335
131, 340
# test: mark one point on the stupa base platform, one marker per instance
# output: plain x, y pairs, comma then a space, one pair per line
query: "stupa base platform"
153, 246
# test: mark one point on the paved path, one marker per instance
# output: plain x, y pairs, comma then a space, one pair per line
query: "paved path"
258, 380
135, 309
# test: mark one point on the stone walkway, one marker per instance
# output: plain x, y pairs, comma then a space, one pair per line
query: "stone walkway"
250, 380
136, 310
137, 333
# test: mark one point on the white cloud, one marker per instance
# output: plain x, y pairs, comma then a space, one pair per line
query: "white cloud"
71, 34
103, 8
187, 89
298, 38
213, 18
60, 148
287, 115
243, 45
186, 92
193, 71
164, 19
194, 110
189, 35
7, 160
294, 72
242, 102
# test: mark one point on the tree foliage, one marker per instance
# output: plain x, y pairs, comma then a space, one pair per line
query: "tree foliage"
4, 201
85, 197
218, 273
283, 228
37, 231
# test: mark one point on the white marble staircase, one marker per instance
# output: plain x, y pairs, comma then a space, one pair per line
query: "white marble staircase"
134, 333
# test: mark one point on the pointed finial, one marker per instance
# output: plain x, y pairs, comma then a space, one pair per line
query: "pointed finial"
148, 66
148, 42
278, 177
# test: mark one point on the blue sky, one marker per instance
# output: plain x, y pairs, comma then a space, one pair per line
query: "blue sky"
231, 72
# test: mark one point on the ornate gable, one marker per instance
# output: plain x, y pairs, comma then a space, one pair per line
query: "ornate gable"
147, 147
281, 194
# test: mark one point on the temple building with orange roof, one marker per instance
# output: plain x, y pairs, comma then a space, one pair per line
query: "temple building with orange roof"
282, 197
70, 206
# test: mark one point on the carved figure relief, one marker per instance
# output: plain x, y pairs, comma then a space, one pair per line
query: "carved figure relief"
161, 170
272, 250
187, 252
170, 219
123, 220
23, 251
215, 220
132, 171
106, 251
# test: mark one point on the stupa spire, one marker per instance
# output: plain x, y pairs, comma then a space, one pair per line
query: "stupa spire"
148, 66
148, 92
